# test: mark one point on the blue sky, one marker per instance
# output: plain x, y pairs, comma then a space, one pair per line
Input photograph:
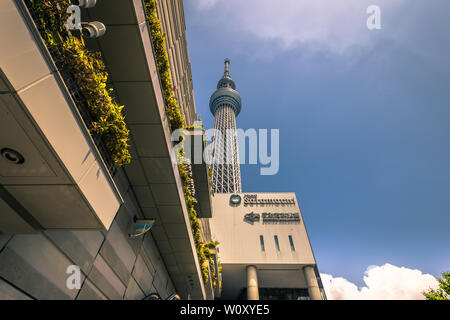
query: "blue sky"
364, 118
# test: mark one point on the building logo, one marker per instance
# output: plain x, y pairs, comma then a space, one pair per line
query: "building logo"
251, 217
252, 199
235, 200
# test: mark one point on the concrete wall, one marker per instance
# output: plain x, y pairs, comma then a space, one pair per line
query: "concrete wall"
113, 265
240, 242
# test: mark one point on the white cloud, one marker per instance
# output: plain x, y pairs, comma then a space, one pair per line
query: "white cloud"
205, 4
320, 24
386, 282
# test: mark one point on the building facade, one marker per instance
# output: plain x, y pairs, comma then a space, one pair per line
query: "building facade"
264, 249
62, 202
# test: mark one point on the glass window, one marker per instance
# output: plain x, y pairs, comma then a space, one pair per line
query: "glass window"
261, 240
291, 242
276, 243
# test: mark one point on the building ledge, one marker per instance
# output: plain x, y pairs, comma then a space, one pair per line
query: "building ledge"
154, 178
59, 182
194, 141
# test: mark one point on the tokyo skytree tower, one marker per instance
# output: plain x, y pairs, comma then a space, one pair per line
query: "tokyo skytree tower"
225, 105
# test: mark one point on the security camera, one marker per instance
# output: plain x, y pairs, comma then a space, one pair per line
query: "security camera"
87, 3
93, 29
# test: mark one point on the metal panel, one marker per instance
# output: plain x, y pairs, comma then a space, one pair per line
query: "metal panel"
20, 57
158, 170
17, 132
139, 100
149, 140
105, 279
133, 291
106, 205
135, 173
144, 196
49, 108
8, 292
116, 12
143, 275
90, 292
11, 222
171, 214
36, 266
125, 54
55, 206
80, 246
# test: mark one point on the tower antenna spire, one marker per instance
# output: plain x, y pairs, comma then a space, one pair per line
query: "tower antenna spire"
227, 67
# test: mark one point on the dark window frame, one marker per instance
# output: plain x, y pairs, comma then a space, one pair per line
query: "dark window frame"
261, 241
277, 243
291, 242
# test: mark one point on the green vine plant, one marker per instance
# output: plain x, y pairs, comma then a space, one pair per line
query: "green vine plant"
88, 70
176, 121
202, 126
212, 265
205, 257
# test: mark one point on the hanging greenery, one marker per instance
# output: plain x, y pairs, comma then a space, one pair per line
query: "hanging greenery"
176, 121
205, 257
212, 245
89, 72
173, 111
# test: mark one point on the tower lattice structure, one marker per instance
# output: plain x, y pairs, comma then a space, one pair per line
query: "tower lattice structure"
225, 104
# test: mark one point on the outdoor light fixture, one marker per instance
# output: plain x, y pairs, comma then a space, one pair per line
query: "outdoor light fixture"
93, 29
87, 3
12, 156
